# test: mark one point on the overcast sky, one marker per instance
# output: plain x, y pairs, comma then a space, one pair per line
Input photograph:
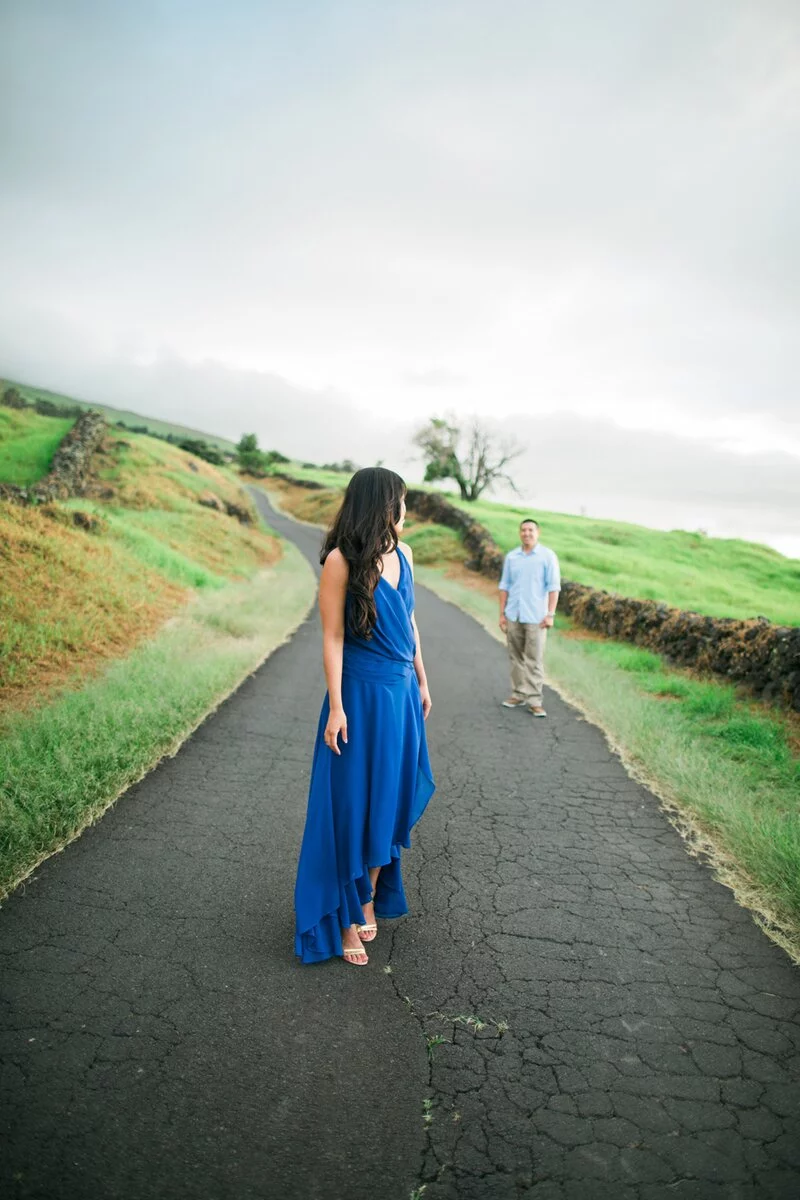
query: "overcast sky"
327, 221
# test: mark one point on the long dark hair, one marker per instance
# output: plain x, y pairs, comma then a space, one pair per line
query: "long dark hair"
363, 530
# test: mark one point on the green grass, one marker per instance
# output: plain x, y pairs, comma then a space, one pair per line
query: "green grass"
724, 577
62, 765
27, 444
131, 529
719, 759
330, 479
154, 425
434, 544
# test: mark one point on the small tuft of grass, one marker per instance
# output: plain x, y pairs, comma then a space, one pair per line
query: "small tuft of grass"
748, 735
437, 1039
636, 660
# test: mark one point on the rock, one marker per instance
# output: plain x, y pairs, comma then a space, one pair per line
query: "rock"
13, 399
87, 521
209, 500
236, 510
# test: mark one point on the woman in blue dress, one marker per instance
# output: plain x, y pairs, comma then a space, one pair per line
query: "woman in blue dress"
370, 776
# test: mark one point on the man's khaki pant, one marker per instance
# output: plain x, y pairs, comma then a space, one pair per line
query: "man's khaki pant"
525, 642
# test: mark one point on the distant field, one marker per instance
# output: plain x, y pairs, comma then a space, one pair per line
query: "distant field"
120, 414
723, 577
27, 444
331, 479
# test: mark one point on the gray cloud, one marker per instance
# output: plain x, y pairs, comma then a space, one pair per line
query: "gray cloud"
433, 377
562, 208
570, 463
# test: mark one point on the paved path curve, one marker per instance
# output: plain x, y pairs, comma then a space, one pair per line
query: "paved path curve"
575, 1009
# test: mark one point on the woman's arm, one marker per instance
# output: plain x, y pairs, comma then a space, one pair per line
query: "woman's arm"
419, 666
332, 593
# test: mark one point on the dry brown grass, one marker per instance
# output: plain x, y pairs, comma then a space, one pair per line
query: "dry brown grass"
213, 539
145, 474
312, 506
72, 600
478, 583
68, 598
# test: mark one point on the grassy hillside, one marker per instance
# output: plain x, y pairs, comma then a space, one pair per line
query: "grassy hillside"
27, 444
73, 599
723, 577
112, 415
125, 617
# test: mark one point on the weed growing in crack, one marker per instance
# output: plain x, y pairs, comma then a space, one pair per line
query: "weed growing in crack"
387, 970
476, 1024
437, 1039
416, 1193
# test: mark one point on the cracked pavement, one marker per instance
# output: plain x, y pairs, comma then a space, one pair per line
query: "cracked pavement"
573, 1009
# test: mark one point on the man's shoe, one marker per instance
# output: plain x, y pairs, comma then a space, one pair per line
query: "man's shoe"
536, 710
512, 702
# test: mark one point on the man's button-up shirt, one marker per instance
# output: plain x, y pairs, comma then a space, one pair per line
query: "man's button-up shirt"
528, 577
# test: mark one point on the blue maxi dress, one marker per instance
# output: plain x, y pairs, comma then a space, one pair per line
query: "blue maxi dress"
363, 803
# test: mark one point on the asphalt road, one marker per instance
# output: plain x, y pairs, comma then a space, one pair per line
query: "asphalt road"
573, 1009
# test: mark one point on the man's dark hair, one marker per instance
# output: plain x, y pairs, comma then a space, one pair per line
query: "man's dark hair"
529, 521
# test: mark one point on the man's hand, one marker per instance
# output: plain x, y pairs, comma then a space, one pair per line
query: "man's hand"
547, 622
503, 622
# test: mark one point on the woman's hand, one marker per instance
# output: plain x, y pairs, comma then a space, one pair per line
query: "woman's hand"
337, 723
425, 697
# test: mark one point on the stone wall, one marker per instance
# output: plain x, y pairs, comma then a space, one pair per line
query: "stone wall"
70, 467
312, 484
486, 557
763, 656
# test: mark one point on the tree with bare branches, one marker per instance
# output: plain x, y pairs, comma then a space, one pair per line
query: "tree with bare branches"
473, 456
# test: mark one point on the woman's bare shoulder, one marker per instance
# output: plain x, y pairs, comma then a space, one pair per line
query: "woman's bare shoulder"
409, 553
336, 565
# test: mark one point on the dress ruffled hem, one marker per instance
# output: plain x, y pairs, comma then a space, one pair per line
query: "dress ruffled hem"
323, 939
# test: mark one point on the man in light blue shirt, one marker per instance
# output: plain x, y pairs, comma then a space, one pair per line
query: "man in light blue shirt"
529, 588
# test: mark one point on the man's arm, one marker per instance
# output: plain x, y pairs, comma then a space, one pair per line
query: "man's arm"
503, 593
553, 586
